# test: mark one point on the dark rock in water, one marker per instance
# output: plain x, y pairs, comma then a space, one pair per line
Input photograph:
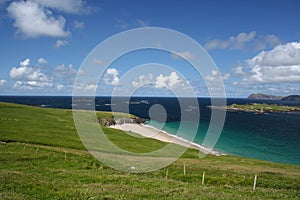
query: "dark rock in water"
264, 97
291, 98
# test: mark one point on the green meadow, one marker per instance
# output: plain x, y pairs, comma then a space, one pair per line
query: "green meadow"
42, 157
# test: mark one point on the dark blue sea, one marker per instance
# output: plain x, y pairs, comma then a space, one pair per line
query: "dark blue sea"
272, 137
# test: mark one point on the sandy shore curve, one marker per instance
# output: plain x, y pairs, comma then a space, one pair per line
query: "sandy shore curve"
151, 132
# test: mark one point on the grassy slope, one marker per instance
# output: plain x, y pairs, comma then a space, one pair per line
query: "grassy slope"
33, 165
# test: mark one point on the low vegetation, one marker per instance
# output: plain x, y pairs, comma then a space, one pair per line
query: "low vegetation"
42, 157
259, 108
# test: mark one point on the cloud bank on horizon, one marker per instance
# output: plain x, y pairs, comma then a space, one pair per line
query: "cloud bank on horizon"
53, 37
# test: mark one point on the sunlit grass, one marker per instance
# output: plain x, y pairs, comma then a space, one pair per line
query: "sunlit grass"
42, 157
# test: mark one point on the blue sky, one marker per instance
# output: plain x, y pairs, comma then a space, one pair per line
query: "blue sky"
255, 45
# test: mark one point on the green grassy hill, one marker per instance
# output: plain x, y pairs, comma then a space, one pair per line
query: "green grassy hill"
42, 157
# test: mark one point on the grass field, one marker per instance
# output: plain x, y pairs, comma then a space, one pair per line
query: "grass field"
42, 157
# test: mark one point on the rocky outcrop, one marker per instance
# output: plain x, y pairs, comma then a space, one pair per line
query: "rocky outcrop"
109, 121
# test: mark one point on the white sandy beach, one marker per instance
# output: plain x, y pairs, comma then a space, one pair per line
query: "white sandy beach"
150, 132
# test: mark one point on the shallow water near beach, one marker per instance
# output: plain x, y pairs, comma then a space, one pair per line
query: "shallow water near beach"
261, 142
272, 137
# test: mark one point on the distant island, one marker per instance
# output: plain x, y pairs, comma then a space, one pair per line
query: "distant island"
273, 97
291, 98
264, 97
258, 108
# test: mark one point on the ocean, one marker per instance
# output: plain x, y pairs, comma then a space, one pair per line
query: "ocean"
273, 137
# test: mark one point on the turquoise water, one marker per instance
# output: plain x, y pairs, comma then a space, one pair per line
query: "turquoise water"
249, 138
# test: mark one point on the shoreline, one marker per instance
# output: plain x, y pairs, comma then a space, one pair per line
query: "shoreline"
151, 132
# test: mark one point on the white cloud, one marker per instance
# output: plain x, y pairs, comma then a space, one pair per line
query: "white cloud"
25, 62
32, 20
25, 72
214, 72
215, 76
42, 61
61, 43
63, 71
142, 80
86, 87
225, 76
234, 42
28, 77
184, 54
244, 41
29, 85
239, 71
20, 85
111, 76
281, 64
59, 86
170, 81
65, 76
79, 25
266, 41
2, 82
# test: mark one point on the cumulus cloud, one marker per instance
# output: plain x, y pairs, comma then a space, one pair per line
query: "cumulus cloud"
28, 77
61, 43
184, 54
244, 41
2, 82
29, 85
281, 64
239, 71
63, 71
65, 76
225, 76
143, 80
25, 72
33, 20
86, 87
111, 77
42, 61
214, 75
234, 42
59, 86
170, 81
